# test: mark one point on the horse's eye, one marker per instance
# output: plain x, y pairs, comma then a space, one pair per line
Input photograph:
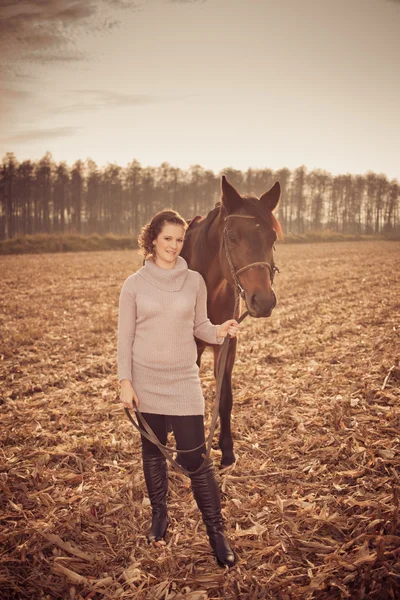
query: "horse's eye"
232, 239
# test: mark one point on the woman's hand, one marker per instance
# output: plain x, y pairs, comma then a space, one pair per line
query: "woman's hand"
127, 394
230, 327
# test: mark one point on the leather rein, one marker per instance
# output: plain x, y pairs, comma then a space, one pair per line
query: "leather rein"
146, 430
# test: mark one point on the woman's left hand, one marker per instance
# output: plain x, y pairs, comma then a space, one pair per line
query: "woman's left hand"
230, 327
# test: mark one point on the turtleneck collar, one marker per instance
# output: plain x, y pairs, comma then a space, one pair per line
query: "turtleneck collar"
170, 280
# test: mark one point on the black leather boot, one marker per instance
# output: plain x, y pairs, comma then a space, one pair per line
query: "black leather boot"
156, 477
206, 493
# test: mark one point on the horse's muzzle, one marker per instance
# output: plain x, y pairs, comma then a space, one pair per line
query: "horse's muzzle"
261, 305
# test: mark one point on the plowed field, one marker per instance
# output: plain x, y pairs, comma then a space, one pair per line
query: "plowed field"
312, 503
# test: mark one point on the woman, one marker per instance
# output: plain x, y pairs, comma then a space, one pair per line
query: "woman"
162, 307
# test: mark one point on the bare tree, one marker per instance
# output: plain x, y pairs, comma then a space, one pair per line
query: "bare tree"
298, 199
93, 183
133, 185
60, 196
382, 187
76, 195
391, 205
9, 171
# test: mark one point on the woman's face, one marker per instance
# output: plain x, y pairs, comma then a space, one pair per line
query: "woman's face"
168, 244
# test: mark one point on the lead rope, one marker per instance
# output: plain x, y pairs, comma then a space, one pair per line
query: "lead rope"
149, 434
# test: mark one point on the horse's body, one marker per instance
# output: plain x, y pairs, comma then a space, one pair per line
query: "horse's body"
236, 238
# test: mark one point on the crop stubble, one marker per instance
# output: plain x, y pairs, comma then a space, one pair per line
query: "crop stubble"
312, 503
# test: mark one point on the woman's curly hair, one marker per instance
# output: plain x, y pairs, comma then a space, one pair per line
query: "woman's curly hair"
151, 231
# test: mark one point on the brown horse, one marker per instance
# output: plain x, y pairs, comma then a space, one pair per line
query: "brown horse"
232, 247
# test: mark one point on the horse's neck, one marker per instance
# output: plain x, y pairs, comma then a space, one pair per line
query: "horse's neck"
214, 273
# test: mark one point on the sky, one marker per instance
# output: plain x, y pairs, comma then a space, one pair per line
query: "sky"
219, 83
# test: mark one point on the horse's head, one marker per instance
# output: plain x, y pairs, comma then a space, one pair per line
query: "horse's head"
250, 230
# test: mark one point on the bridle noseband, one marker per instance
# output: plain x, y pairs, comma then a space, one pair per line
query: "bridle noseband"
236, 272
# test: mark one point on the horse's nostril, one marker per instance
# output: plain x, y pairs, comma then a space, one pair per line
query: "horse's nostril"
254, 302
262, 306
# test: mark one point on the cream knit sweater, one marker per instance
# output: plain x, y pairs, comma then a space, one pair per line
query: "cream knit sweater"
160, 312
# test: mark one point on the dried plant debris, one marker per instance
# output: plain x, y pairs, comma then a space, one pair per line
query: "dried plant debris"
312, 503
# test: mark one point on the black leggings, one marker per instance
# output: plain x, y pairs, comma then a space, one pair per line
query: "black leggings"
188, 432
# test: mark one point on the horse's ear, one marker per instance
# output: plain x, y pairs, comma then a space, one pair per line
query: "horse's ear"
230, 198
270, 199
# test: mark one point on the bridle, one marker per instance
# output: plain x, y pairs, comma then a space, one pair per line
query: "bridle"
236, 272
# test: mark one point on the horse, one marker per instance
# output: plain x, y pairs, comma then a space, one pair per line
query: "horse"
232, 248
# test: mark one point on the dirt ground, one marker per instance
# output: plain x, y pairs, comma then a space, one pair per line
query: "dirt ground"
312, 503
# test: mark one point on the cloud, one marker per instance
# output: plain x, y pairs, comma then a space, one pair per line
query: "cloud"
49, 30
67, 56
122, 4
9, 98
13, 94
92, 99
35, 135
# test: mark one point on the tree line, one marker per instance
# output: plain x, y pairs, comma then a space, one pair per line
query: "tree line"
48, 197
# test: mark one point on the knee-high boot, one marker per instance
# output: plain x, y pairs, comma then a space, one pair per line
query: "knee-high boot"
156, 478
206, 493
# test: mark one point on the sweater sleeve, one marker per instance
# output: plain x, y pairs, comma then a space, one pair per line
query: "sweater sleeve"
126, 330
203, 328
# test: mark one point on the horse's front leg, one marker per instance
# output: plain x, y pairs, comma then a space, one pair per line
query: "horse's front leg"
225, 407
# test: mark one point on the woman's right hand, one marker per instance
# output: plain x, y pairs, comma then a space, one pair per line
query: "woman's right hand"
127, 394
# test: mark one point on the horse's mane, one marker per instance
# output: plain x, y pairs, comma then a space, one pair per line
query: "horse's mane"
204, 247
